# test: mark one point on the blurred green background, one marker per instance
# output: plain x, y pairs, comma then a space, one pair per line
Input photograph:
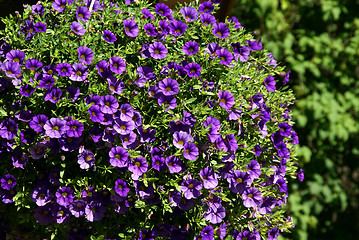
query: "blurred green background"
319, 41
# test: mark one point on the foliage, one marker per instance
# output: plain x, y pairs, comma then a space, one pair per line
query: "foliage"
318, 40
132, 121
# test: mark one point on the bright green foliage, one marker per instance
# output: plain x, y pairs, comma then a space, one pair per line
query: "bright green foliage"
319, 41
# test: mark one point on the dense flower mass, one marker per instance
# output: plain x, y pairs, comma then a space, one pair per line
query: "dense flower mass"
134, 121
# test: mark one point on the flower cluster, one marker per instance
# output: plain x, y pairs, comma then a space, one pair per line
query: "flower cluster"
143, 122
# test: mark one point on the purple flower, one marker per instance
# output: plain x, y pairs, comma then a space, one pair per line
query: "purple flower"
147, 14
190, 151
168, 102
94, 211
206, 7
85, 55
126, 112
150, 29
300, 175
254, 45
193, 69
19, 159
191, 188
108, 36
64, 196
168, 86
220, 30
162, 9
269, 82
285, 78
26, 90
8, 182
43, 215
119, 157
121, 188
158, 162
53, 95
241, 52
41, 195
215, 126
16, 56
64, 69
207, 233
226, 99
61, 214
47, 82
157, 50
38, 151
131, 28
117, 65
252, 197
40, 27
86, 159
108, 104
207, 19
95, 113
59, 5
285, 129
33, 64
215, 213
181, 138
254, 169
79, 72
77, 208
239, 181
177, 28
174, 164
235, 21
124, 127
55, 127
190, 14
8, 129
146, 134
73, 92
209, 178
83, 13
77, 28
11, 69
190, 48
138, 167
38, 9
225, 56
273, 234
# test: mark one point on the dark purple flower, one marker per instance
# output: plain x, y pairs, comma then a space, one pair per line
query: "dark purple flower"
282, 149
8, 182
55, 127
150, 29
59, 5
190, 151
158, 162
38, 151
95, 211
220, 30
43, 215
64, 69
83, 13
95, 113
254, 45
177, 28
273, 234
73, 92
5, 48
119, 157
53, 95
225, 56
77, 28
33, 64
163, 28
272, 61
182, 203
41, 195
252, 197
86, 159
131, 28
269, 82
215, 126
300, 175
207, 19
190, 14
38, 9
285, 129
162, 9
174, 164
64, 196
241, 52
11, 69
235, 21
16, 56
157, 50
168, 102
8, 129
40, 27
190, 48
285, 77
47, 82
181, 138
193, 69
27, 135
267, 205
207, 233
209, 178
239, 181
108, 36
19, 159
103, 68
117, 65
146, 134
147, 14
77, 208
61, 214
215, 213
206, 7
143, 191
254, 169
108, 104
121, 188
124, 127
85, 55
